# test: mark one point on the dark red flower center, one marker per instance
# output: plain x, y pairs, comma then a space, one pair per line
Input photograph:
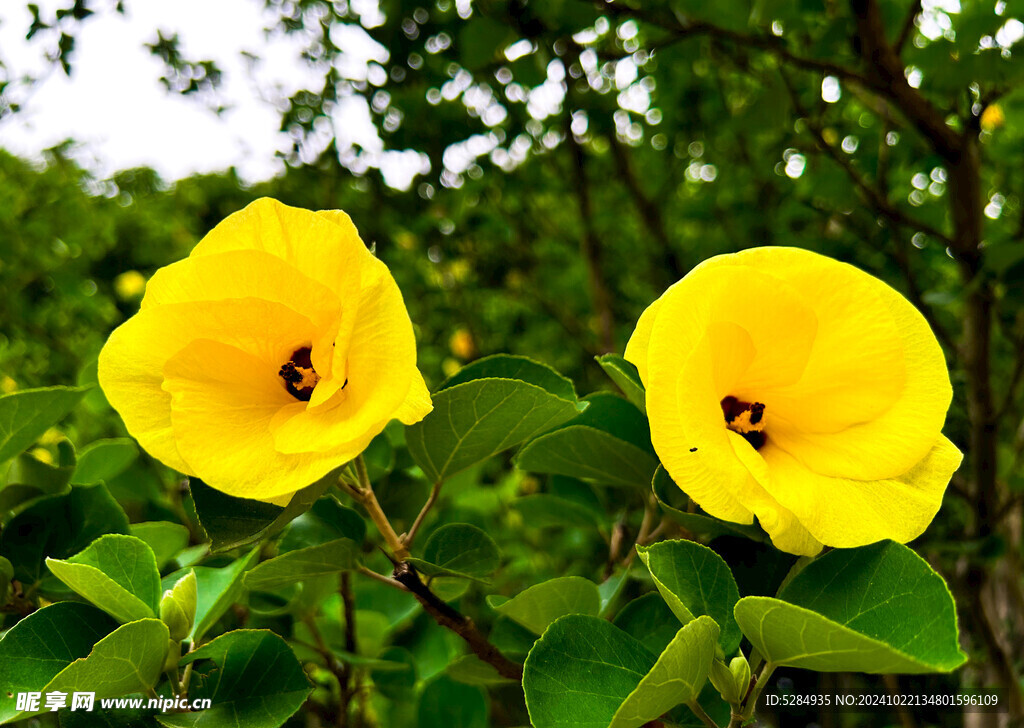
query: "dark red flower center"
746, 419
299, 376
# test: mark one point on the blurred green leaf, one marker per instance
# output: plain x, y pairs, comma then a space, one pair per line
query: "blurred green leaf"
445, 703
58, 527
26, 415
104, 459
165, 538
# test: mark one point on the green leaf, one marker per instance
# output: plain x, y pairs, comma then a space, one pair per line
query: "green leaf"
540, 605
677, 677
252, 678
481, 41
508, 366
116, 573
37, 478
542, 510
694, 580
876, 609
217, 590
232, 522
58, 527
471, 670
396, 684
649, 620
626, 377
673, 502
474, 420
6, 575
300, 564
458, 549
580, 672
26, 415
128, 660
165, 538
326, 521
104, 459
445, 703
38, 647
608, 443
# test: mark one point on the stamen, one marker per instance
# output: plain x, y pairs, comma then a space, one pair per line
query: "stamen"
299, 376
746, 419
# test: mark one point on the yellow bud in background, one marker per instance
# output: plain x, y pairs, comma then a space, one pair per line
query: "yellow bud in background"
461, 344
992, 117
130, 285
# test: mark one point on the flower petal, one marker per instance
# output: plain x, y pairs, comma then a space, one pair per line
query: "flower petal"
131, 364
846, 513
380, 364
223, 401
781, 524
323, 247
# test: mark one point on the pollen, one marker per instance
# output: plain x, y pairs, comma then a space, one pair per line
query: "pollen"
300, 378
745, 418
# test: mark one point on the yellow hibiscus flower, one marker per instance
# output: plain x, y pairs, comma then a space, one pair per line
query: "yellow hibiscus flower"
271, 355
786, 385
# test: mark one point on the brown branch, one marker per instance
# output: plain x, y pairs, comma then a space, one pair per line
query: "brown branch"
650, 212
885, 75
682, 29
590, 246
869, 192
908, 26
452, 619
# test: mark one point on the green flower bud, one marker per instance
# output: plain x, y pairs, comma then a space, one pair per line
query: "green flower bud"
178, 607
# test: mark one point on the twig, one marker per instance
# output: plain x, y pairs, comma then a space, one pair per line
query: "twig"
381, 578
347, 673
450, 618
431, 499
366, 497
700, 713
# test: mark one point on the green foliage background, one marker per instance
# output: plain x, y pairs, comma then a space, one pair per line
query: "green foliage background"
549, 244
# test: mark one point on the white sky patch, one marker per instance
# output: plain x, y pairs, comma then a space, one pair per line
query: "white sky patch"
115, 106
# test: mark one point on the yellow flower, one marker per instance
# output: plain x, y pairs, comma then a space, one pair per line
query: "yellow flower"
271, 355
992, 118
789, 386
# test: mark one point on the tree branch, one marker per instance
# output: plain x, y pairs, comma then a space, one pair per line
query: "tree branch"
450, 618
650, 213
908, 26
589, 244
870, 193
